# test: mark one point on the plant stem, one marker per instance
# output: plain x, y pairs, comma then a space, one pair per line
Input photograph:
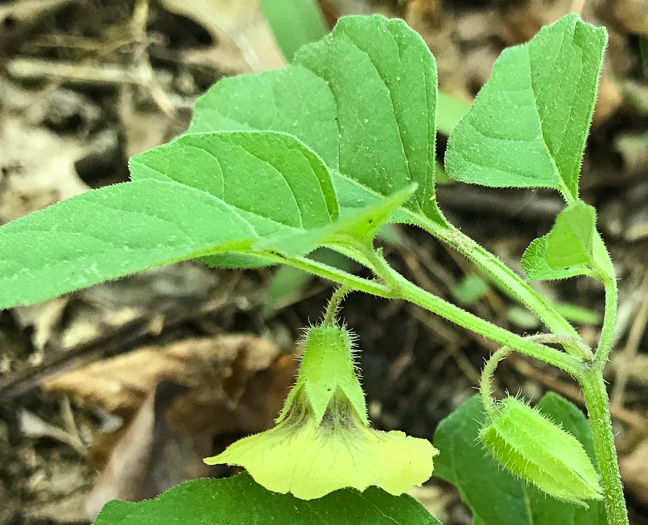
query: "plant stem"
399, 287
597, 403
333, 305
507, 280
486, 381
353, 282
416, 295
609, 321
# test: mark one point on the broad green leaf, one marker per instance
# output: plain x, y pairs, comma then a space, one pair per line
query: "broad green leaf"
271, 178
294, 23
571, 240
495, 496
130, 227
528, 125
363, 98
111, 232
358, 225
241, 501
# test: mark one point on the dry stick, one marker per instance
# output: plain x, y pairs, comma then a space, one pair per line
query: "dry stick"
627, 356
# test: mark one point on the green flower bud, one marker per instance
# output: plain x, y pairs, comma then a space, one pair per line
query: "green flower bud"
534, 448
322, 441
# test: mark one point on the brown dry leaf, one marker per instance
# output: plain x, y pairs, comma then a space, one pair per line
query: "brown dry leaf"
522, 21
174, 401
143, 128
438, 30
44, 318
152, 455
237, 384
631, 15
424, 12
634, 472
637, 367
40, 165
245, 41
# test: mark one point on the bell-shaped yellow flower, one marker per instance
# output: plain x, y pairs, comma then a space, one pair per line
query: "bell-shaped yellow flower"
323, 441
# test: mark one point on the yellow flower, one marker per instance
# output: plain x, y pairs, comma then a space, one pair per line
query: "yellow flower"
321, 442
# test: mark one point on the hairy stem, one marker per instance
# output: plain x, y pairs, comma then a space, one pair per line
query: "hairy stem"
505, 278
597, 403
486, 381
398, 287
353, 282
334, 304
609, 322
412, 293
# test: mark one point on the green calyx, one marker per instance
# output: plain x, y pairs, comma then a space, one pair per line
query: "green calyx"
326, 372
532, 447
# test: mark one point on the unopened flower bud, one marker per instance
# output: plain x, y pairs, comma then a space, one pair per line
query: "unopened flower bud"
531, 446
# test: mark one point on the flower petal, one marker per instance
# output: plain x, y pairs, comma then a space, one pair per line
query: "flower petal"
311, 461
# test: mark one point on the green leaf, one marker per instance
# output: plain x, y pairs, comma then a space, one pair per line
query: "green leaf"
111, 232
294, 23
358, 227
528, 125
363, 98
572, 247
571, 241
241, 501
536, 268
159, 218
495, 496
271, 179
